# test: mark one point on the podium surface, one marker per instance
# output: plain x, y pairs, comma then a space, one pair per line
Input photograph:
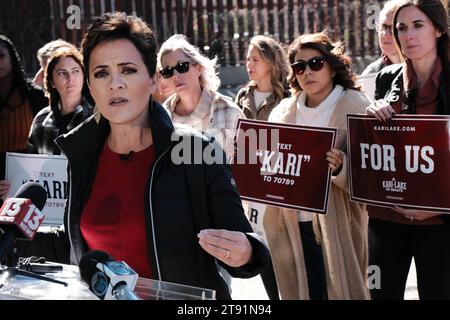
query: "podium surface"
20, 287
23, 287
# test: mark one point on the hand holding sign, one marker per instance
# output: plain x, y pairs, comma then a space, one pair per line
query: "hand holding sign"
418, 215
381, 110
231, 247
334, 158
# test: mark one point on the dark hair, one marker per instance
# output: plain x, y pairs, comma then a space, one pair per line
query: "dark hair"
19, 81
57, 55
334, 55
118, 25
435, 11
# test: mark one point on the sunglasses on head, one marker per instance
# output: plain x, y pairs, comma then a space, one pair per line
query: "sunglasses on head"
181, 67
315, 64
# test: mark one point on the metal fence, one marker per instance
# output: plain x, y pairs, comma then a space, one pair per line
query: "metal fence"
218, 27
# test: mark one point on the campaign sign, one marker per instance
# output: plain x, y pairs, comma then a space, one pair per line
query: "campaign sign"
283, 165
404, 162
50, 172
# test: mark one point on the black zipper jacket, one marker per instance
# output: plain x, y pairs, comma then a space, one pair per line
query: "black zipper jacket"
182, 199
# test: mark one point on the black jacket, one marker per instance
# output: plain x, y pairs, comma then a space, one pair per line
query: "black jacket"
48, 125
181, 201
389, 85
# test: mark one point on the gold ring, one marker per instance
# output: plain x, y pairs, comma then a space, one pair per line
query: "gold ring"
227, 255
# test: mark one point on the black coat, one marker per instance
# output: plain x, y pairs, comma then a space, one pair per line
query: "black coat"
47, 126
389, 86
181, 201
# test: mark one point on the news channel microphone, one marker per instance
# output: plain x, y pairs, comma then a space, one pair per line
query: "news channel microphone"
108, 279
21, 216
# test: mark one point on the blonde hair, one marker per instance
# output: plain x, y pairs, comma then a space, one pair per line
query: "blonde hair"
208, 77
46, 51
273, 54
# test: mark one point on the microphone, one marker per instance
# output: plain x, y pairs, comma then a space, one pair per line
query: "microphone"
126, 156
21, 216
108, 279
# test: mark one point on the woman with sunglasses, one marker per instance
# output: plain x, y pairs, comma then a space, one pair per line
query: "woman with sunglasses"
420, 85
131, 192
164, 88
320, 256
389, 52
196, 101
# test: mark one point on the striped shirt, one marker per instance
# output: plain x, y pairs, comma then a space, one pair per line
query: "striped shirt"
15, 122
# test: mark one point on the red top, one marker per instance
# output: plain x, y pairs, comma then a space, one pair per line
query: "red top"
113, 219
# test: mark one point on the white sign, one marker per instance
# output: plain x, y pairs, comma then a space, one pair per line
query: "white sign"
255, 215
50, 172
368, 84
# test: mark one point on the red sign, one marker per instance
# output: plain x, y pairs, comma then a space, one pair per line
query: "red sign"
404, 162
23, 214
283, 165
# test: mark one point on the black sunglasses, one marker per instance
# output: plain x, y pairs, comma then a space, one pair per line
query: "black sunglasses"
315, 64
181, 67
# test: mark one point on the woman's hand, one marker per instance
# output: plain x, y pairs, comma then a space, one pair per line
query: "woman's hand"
418, 215
334, 158
4, 188
231, 247
381, 110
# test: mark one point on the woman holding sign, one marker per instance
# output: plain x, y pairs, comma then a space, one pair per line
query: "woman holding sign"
65, 85
418, 86
319, 256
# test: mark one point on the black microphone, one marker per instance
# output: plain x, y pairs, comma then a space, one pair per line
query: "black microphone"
108, 279
21, 216
126, 156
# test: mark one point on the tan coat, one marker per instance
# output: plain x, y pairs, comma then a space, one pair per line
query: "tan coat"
342, 232
246, 101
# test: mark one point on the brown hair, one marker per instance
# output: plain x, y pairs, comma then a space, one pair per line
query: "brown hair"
272, 52
57, 55
435, 11
334, 55
118, 25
